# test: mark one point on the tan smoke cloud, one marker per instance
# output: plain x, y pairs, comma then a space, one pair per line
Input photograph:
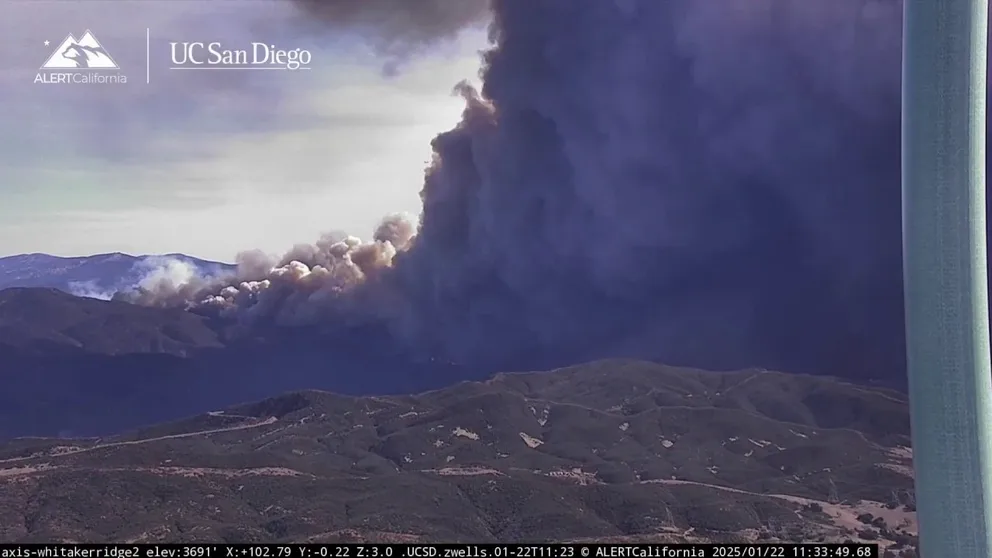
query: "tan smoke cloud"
306, 282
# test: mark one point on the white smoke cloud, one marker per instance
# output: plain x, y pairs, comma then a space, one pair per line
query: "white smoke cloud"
91, 289
166, 274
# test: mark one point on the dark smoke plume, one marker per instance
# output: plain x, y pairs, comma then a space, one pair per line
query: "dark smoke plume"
397, 28
710, 183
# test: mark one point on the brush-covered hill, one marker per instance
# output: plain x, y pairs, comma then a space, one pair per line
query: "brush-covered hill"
610, 450
47, 321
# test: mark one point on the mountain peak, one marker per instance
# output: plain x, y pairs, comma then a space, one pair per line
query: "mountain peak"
97, 275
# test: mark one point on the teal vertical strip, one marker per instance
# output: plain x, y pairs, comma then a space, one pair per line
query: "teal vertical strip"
943, 181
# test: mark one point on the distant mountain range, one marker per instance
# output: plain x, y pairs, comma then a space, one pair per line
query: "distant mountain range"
81, 366
96, 276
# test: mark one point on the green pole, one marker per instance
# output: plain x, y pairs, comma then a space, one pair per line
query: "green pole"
947, 324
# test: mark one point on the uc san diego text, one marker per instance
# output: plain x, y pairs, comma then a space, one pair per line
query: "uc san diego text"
259, 55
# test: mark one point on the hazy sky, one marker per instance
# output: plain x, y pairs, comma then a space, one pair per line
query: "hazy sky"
210, 162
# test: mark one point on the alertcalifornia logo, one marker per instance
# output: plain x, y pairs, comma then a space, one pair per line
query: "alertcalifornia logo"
80, 61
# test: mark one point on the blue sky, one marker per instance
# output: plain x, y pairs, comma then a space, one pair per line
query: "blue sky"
210, 163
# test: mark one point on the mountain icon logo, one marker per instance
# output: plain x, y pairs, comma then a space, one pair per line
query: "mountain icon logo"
86, 53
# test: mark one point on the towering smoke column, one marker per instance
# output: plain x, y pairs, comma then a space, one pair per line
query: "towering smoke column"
688, 180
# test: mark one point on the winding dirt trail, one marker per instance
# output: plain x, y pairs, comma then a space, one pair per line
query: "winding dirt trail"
76, 450
844, 515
